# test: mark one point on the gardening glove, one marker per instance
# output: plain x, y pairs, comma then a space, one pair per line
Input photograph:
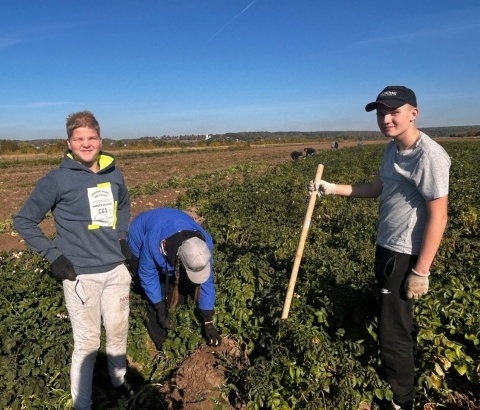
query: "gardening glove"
211, 334
162, 315
133, 262
63, 269
416, 284
127, 253
323, 188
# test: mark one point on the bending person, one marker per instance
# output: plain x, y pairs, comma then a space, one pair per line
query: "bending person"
172, 255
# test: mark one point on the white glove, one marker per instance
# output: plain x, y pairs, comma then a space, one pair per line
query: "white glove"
416, 284
323, 188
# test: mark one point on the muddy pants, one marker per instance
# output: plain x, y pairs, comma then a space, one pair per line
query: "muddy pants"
396, 321
89, 299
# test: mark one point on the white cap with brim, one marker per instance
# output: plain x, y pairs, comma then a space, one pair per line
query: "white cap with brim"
195, 257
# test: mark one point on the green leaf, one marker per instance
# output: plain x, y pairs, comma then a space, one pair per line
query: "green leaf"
461, 368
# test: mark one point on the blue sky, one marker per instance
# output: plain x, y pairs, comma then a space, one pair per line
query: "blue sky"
154, 67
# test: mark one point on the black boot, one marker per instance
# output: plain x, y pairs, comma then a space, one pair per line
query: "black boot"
408, 405
124, 391
378, 404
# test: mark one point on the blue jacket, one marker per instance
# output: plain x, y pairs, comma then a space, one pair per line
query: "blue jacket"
147, 231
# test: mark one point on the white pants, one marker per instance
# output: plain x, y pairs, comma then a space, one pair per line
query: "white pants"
89, 299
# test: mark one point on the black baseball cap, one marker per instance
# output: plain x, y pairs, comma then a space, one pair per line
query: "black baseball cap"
393, 96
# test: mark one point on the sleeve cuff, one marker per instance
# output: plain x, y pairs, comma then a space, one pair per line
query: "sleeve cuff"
207, 315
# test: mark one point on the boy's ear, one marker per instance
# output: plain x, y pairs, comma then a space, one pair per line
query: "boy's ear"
414, 114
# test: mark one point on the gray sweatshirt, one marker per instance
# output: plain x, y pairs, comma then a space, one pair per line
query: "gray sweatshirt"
410, 178
91, 212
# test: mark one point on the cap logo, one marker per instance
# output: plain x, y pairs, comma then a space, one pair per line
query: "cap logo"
388, 94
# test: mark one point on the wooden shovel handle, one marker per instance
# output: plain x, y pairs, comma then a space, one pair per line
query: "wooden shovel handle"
301, 244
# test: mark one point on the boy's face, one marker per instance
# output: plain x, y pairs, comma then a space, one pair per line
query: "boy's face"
85, 144
397, 122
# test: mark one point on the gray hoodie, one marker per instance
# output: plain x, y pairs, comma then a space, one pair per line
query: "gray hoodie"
91, 212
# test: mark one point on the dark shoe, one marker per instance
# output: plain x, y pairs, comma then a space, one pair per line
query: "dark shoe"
123, 391
378, 404
408, 405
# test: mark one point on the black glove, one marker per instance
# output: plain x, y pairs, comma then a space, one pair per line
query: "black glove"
127, 253
133, 264
211, 334
162, 315
63, 269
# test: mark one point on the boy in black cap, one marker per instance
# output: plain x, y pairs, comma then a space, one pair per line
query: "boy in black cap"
412, 184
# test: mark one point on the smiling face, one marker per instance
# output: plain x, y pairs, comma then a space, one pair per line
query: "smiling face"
85, 144
398, 123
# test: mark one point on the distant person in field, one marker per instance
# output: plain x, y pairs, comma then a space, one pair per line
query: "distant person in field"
412, 184
296, 155
89, 201
309, 151
172, 255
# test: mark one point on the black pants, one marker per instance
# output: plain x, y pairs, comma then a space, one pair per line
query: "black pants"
396, 321
186, 290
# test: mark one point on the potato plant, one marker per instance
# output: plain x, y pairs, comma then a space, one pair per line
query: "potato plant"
325, 355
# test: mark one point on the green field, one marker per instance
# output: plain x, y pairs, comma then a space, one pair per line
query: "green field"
325, 355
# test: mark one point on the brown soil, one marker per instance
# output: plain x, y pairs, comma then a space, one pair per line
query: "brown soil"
17, 182
197, 384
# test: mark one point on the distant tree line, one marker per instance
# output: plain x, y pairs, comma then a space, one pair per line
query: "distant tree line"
29, 147
48, 146
453, 132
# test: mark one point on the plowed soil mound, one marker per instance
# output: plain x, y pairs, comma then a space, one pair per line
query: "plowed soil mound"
197, 384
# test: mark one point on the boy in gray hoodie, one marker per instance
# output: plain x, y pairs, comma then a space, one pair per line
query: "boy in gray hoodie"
89, 201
